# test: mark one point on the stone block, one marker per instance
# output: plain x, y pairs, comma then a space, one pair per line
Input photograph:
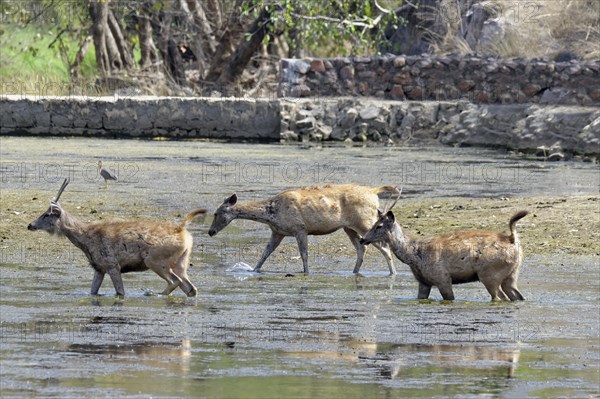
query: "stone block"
317, 66
399, 61
301, 66
348, 118
531, 90
363, 88
465, 85
402, 78
367, 75
306, 124
370, 112
595, 94
415, 93
347, 72
397, 93
300, 91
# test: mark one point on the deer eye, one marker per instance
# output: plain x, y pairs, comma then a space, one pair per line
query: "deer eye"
378, 226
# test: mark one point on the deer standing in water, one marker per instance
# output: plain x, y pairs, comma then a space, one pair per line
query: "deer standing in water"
308, 211
456, 258
116, 247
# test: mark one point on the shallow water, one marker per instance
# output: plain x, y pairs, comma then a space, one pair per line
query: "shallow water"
282, 334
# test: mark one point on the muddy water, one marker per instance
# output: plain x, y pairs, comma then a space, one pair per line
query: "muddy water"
281, 334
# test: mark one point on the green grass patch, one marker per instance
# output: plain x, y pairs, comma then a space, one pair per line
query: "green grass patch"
29, 66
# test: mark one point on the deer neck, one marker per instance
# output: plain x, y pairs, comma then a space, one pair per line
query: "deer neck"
404, 247
73, 229
260, 211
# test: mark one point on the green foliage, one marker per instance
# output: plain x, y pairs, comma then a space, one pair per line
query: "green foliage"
329, 28
27, 60
47, 13
38, 40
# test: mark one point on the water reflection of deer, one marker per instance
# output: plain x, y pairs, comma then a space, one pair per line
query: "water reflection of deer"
396, 360
174, 357
393, 361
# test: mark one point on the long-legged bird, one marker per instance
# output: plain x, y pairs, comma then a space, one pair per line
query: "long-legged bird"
106, 174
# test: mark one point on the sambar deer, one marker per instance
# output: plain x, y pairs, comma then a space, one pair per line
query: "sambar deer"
456, 258
308, 211
116, 247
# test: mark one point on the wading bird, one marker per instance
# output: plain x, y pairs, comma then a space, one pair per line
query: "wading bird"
106, 174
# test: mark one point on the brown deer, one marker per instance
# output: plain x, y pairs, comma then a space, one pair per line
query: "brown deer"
308, 211
456, 258
117, 247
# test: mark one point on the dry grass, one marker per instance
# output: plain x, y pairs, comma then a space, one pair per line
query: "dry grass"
533, 28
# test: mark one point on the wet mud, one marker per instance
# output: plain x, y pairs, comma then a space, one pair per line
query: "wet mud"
280, 333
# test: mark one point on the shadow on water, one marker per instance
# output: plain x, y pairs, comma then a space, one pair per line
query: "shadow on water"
280, 333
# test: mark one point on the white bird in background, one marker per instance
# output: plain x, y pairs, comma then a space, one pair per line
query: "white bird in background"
106, 174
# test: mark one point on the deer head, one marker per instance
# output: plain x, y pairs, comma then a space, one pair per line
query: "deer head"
381, 230
223, 215
48, 220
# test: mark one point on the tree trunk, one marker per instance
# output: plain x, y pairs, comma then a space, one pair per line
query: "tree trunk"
99, 14
232, 31
175, 63
147, 46
75, 68
112, 51
213, 8
199, 17
200, 41
123, 49
249, 46
168, 47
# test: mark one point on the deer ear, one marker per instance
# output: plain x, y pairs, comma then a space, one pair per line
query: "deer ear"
390, 215
55, 208
232, 200
379, 213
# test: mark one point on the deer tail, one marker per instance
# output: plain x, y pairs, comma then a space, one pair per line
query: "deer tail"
513, 221
188, 218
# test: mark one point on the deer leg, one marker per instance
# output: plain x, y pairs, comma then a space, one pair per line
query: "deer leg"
443, 282
446, 291
387, 254
424, 291
502, 295
180, 269
161, 266
509, 285
115, 276
360, 249
97, 282
494, 290
173, 282
271, 246
302, 239
445, 288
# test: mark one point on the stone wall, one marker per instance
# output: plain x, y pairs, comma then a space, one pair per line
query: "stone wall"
561, 131
443, 78
173, 117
